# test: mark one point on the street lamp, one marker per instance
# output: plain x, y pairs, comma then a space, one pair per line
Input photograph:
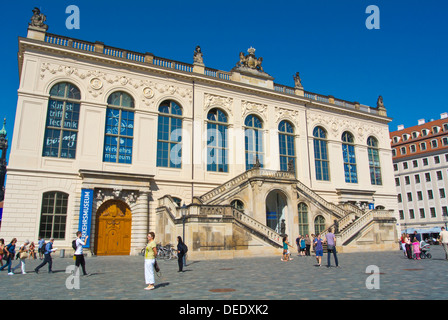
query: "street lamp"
183, 212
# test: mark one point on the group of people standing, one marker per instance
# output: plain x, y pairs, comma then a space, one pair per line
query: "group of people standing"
304, 246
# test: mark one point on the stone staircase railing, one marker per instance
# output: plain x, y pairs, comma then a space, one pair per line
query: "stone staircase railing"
214, 194
318, 200
257, 226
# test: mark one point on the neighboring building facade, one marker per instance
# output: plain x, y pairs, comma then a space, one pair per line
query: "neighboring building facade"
250, 159
420, 156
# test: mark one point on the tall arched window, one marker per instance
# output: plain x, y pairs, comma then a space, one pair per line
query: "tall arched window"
169, 135
253, 141
321, 161
53, 215
217, 144
374, 161
303, 218
119, 132
61, 128
319, 225
286, 145
348, 154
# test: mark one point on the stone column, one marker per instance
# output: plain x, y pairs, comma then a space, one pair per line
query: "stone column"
140, 222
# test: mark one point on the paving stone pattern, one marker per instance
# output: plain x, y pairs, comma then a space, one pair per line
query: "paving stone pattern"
114, 278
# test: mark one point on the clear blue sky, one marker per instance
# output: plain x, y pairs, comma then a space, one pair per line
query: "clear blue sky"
327, 41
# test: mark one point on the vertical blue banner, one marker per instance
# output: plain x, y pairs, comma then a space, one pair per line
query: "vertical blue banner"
85, 214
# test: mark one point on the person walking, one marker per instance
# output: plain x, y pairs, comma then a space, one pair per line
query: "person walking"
181, 251
286, 254
79, 255
318, 247
10, 251
307, 245
408, 246
47, 259
2, 251
32, 250
150, 259
330, 239
23, 255
41, 247
443, 240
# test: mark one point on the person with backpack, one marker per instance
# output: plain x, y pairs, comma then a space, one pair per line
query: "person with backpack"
48, 250
182, 250
9, 253
77, 245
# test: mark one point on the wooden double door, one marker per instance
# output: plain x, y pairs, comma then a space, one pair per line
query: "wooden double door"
113, 229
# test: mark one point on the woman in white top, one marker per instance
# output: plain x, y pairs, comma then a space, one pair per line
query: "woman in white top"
23, 249
79, 255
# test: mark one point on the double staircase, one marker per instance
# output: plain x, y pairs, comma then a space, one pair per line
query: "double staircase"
350, 220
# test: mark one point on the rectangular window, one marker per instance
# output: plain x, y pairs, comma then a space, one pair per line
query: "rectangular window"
53, 215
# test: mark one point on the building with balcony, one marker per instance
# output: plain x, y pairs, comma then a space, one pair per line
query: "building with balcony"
118, 143
420, 157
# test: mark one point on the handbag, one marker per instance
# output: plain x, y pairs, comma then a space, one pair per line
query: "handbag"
156, 266
23, 255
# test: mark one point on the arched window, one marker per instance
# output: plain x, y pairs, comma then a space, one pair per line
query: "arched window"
169, 135
53, 215
374, 161
119, 131
286, 145
321, 161
61, 128
253, 141
319, 225
237, 204
217, 144
303, 218
348, 154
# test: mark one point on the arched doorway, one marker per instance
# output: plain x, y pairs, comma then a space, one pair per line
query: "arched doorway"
113, 229
276, 209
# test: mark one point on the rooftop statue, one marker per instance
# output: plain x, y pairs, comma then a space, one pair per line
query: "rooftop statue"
379, 103
250, 61
197, 58
251, 65
38, 19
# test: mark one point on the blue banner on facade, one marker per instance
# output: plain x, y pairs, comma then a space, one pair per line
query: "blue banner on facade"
85, 214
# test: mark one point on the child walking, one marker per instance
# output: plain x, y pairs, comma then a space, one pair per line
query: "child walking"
286, 254
416, 248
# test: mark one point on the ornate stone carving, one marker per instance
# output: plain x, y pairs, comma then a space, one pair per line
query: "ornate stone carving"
249, 107
286, 114
212, 100
251, 65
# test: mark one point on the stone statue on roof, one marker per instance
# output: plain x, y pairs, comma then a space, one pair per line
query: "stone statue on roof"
38, 19
297, 80
197, 57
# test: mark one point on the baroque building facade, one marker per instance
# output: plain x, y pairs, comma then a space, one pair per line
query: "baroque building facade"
120, 143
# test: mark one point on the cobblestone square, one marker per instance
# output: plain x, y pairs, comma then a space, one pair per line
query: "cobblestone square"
122, 278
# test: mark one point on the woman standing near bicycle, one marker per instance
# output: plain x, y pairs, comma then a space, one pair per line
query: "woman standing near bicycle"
150, 259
